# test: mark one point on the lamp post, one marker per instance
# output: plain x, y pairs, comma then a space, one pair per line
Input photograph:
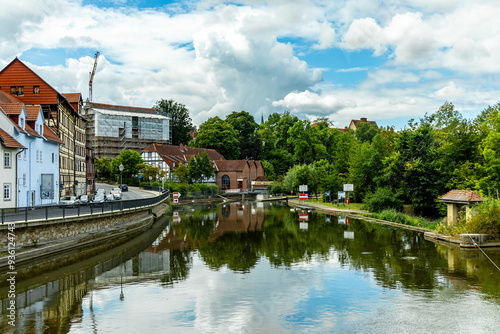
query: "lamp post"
121, 183
121, 174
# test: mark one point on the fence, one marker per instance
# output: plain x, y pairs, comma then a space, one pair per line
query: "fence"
53, 211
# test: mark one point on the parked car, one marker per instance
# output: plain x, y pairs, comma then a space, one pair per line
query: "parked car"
99, 198
69, 201
117, 193
84, 199
100, 191
109, 197
124, 187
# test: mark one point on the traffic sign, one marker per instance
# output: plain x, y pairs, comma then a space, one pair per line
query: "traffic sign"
303, 188
303, 197
348, 187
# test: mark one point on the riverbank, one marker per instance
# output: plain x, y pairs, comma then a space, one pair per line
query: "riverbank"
463, 240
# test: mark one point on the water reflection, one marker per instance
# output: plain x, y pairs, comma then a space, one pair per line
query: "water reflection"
249, 263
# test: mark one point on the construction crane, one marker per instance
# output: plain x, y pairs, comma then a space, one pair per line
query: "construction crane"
91, 74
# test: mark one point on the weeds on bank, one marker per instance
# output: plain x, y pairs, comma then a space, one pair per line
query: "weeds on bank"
402, 218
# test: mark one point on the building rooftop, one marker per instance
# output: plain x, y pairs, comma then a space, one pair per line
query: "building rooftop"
461, 197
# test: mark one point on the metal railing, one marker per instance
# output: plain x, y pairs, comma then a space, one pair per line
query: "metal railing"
54, 211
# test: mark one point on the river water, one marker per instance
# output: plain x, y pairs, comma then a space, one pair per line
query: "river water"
265, 268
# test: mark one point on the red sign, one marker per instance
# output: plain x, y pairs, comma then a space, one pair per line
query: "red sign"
303, 197
303, 216
176, 200
175, 197
347, 200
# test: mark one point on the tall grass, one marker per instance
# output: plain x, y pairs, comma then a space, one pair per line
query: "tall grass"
401, 218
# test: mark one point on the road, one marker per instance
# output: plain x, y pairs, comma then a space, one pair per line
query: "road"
132, 193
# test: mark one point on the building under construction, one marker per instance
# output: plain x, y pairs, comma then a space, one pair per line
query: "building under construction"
111, 129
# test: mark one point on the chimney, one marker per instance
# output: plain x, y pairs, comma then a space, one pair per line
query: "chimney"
363, 119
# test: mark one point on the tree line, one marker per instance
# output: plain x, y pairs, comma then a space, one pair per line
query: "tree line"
441, 151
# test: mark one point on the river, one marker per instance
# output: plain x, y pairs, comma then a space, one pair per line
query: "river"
265, 268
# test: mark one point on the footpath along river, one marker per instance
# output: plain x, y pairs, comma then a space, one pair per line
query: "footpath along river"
251, 267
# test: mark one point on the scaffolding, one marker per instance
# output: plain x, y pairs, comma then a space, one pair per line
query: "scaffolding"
111, 131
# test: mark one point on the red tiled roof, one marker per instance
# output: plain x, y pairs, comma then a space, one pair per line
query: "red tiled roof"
9, 141
7, 98
32, 112
461, 197
182, 153
31, 131
231, 165
262, 179
73, 97
50, 135
13, 108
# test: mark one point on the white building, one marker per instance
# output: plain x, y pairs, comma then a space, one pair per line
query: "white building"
36, 174
8, 150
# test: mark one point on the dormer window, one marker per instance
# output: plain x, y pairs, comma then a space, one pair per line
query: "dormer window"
21, 123
41, 129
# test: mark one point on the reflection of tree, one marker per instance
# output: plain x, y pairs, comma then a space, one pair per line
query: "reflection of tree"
180, 263
395, 257
239, 252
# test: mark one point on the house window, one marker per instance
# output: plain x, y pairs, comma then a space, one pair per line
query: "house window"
47, 188
20, 90
6, 191
24, 154
13, 90
24, 179
41, 160
6, 160
226, 182
41, 129
36, 89
37, 156
21, 121
53, 157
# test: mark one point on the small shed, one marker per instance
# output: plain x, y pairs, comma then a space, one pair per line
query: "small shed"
455, 199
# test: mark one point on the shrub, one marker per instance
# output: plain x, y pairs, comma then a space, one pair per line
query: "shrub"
383, 198
486, 218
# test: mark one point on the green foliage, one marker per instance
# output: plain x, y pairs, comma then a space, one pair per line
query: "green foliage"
365, 132
269, 170
219, 135
394, 216
490, 151
486, 218
250, 144
199, 168
182, 173
181, 121
383, 198
103, 168
131, 161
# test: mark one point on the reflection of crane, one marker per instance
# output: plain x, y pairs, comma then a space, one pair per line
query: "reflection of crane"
96, 57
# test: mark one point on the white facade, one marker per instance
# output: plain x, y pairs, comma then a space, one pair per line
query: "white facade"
8, 177
36, 182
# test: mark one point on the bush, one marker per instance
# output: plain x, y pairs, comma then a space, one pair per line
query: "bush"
276, 188
381, 199
486, 218
394, 216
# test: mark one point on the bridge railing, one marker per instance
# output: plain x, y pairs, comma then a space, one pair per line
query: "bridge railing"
54, 211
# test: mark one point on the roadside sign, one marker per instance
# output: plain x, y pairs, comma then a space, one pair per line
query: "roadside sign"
348, 187
176, 218
328, 219
303, 188
327, 194
347, 200
303, 216
303, 197
341, 194
176, 194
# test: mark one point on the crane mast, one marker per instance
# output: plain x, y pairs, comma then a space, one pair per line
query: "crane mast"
91, 74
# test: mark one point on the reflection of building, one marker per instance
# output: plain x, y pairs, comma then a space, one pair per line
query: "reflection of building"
112, 129
238, 218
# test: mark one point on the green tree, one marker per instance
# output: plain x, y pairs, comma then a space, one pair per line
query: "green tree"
103, 168
250, 144
365, 131
182, 173
490, 150
217, 134
199, 168
181, 121
131, 161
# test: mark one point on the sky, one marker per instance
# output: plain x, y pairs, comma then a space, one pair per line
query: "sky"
389, 61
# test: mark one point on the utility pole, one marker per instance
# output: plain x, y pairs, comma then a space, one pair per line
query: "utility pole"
91, 74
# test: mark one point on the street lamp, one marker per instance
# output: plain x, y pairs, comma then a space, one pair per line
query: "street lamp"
121, 173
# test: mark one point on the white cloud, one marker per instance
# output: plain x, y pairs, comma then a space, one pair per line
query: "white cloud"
449, 92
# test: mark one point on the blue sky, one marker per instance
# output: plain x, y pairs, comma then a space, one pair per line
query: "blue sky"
389, 61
